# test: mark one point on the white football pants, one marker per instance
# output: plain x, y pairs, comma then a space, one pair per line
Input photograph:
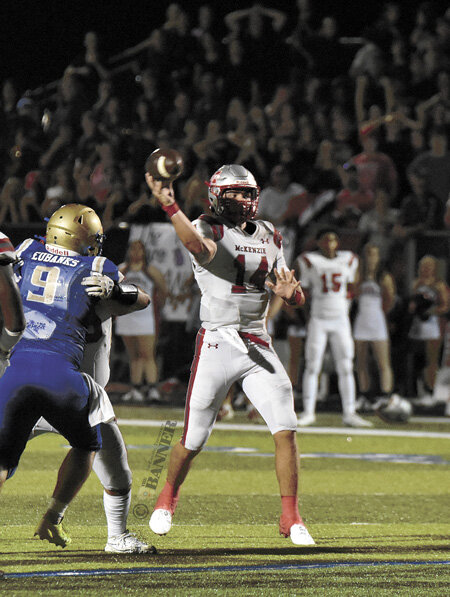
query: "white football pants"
220, 361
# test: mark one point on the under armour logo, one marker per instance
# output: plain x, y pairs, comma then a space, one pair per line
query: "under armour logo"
213, 345
265, 240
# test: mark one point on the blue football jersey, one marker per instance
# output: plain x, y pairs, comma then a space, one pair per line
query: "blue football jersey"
56, 306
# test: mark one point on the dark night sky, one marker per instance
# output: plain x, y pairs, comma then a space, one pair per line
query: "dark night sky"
40, 37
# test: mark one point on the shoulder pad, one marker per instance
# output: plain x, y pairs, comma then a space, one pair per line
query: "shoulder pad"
27, 244
353, 256
306, 260
102, 265
349, 256
277, 238
267, 225
7, 251
215, 224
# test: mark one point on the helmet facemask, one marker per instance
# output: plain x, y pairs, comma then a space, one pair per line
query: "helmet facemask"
97, 247
238, 211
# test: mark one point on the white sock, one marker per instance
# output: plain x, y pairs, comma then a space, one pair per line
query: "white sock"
309, 388
347, 391
116, 511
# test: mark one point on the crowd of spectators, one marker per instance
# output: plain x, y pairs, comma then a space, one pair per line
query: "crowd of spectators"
349, 130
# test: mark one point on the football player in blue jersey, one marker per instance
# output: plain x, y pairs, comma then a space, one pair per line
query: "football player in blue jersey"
111, 461
44, 378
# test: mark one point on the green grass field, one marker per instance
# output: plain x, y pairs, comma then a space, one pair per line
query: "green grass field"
376, 505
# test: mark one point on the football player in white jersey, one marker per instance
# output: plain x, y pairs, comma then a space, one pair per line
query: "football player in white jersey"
232, 256
329, 274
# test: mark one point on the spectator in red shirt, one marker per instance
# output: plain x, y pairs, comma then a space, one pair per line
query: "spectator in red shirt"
376, 170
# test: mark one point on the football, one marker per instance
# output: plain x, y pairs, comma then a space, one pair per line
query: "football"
164, 164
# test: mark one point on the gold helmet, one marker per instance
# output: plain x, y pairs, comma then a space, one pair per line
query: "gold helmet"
77, 228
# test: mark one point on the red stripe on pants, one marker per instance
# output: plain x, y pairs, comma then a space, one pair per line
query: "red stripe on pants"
194, 366
255, 339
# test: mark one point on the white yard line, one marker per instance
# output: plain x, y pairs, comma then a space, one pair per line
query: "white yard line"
430, 420
304, 430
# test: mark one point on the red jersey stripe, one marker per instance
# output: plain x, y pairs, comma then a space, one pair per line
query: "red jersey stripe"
194, 367
306, 260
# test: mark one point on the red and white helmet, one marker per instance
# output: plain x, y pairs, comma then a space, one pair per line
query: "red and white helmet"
233, 177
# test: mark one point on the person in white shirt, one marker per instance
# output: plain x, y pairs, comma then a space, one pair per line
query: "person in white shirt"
237, 260
329, 274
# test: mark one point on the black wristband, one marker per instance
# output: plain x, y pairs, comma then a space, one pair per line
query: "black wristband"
125, 294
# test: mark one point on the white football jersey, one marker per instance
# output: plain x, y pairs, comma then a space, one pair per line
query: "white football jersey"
97, 350
233, 283
327, 281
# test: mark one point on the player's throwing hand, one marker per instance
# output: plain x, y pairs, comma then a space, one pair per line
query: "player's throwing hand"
162, 191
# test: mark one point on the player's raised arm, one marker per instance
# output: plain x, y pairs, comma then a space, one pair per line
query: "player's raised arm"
203, 249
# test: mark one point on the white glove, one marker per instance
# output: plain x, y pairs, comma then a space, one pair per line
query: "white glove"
4, 362
98, 285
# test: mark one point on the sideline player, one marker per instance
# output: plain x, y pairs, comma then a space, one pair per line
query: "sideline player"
44, 378
329, 275
232, 256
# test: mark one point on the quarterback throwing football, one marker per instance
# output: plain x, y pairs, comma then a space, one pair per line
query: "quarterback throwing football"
233, 256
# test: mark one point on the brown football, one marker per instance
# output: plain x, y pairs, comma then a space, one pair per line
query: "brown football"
164, 164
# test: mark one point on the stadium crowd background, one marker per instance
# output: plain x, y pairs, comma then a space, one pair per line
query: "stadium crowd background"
350, 130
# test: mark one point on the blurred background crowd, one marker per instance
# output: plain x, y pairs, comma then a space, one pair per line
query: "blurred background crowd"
350, 131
